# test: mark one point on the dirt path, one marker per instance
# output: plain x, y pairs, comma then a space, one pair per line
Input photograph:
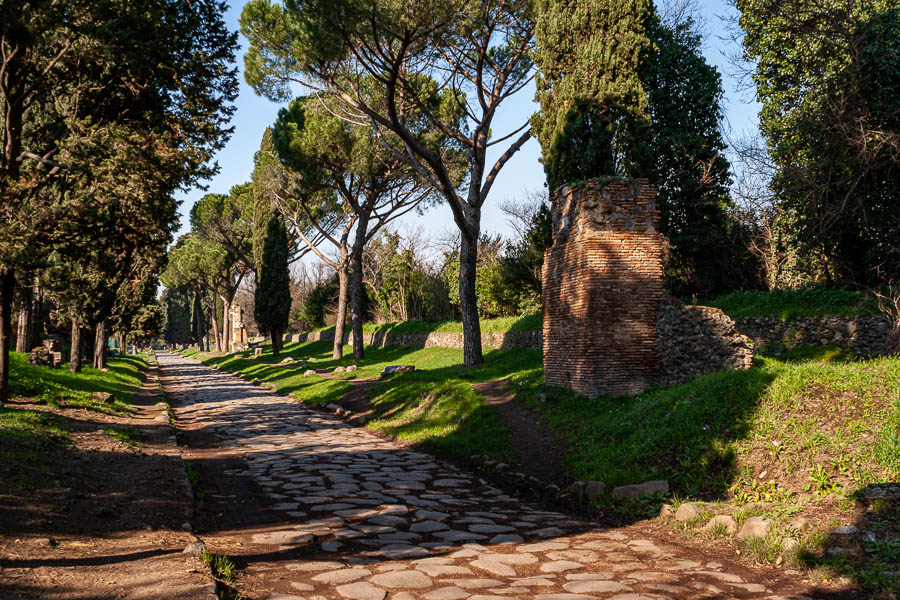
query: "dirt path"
106, 522
537, 450
309, 507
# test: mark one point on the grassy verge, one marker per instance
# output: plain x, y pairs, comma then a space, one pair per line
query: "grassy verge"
793, 304
30, 438
59, 387
794, 437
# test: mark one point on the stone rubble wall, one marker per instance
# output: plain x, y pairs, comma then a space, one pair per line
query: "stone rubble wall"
602, 285
866, 335
514, 340
694, 340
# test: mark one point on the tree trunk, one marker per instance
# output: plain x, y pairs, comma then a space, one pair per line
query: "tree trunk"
37, 313
343, 276
101, 341
199, 325
468, 301
276, 342
24, 343
217, 335
356, 307
7, 289
218, 322
75, 354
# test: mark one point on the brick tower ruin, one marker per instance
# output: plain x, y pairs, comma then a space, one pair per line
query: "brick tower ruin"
602, 287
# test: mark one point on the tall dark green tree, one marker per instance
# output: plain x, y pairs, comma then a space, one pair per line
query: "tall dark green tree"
828, 76
198, 320
688, 165
593, 115
87, 84
623, 93
176, 308
272, 307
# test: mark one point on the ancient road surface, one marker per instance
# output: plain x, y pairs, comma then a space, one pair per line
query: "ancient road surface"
344, 514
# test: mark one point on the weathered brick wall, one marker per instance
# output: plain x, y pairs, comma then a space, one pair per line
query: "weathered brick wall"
602, 285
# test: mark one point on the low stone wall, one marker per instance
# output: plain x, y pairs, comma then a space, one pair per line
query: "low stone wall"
514, 340
694, 340
866, 335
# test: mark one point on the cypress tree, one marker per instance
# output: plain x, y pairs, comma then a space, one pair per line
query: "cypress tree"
593, 106
273, 284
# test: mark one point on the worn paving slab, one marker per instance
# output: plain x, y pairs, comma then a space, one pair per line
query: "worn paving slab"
342, 513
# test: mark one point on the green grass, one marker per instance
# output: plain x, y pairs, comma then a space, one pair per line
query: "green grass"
498, 325
225, 573
793, 304
129, 436
59, 387
839, 415
30, 438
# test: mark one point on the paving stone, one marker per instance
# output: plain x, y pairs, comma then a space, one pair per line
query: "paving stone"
483, 528
341, 576
401, 551
490, 565
284, 538
302, 587
443, 570
536, 581
547, 532
542, 547
476, 583
389, 520
720, 576
432, 515
407, 526
428, 526
589, 587
454, 535
506, 538
582, 556
391, 567
594, 576
361, 590
558, 566
448, 593
402, 579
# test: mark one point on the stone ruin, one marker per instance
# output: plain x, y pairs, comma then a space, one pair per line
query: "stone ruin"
50, 354
239, 339
609, 327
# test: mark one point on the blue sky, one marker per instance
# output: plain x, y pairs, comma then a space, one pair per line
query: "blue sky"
521, 175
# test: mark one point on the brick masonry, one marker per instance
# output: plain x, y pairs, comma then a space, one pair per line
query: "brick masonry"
603, 286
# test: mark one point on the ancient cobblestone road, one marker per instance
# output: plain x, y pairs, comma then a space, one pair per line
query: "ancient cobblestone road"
368, 519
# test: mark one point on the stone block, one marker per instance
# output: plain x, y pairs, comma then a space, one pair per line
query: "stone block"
633, 492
